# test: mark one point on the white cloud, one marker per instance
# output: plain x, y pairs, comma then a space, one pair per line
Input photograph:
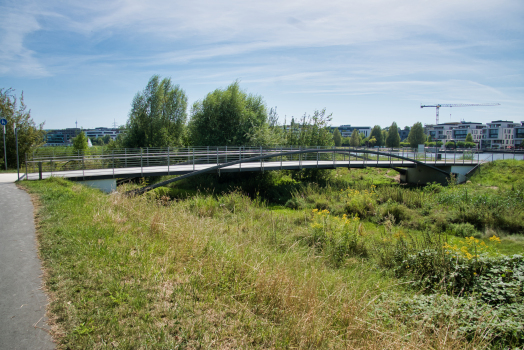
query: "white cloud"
15, 58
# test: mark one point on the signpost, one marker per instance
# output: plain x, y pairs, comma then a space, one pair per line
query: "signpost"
3, 122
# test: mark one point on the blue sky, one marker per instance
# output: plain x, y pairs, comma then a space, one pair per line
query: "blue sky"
366, 61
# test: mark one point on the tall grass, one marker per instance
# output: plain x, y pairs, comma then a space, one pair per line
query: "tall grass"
207, 271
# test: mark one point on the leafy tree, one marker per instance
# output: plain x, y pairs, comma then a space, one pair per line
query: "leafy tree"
268, 134
376, 132
337, 137
313, 130
461, 144
450, 144
106, 139
80, 142
372, 140
227, 117
393, 139
158, 115
30, 135
438, 143
471, 145
355, 138
416, 135
469, 138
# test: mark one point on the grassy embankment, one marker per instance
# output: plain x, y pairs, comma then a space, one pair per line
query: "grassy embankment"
230, 271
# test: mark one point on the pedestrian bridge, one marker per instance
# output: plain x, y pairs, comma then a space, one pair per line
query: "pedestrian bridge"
186, 162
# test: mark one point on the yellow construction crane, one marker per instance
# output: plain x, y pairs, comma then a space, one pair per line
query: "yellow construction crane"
459, 105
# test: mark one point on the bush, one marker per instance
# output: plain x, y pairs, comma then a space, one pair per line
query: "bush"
465, 230
468, 317
360, 203
399, 211
338, 237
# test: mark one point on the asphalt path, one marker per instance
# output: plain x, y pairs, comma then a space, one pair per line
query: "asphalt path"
22, 301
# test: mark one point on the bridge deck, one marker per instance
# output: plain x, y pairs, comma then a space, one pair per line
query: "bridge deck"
100, 174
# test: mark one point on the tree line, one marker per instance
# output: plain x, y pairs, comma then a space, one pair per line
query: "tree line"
224, 117
232, 117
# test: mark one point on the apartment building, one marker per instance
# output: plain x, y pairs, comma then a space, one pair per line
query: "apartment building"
61, 137
497, 134
101, 132
64, 137
347, 130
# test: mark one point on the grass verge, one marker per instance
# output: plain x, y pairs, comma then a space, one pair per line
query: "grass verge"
222, 272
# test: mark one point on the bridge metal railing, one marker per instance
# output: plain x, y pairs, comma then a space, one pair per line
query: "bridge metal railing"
51, 161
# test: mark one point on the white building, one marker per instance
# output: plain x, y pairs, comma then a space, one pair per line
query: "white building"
347, 130
101, 132
497, 134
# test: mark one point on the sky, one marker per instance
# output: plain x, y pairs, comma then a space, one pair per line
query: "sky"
367, 62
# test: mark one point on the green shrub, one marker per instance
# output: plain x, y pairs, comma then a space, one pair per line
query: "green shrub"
469, 317
400, 212
465, 230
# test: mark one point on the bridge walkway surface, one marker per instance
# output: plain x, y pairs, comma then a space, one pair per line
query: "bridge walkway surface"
89, 174
22, 302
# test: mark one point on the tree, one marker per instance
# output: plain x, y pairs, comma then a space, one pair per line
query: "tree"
393, 139
268, 134
30, 135
372, 140
469, 138
337, 137
416, 135
312, 130
227, 117
80, 142
355, 138
377, 134
158, 115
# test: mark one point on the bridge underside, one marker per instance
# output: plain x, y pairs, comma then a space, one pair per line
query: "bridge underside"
101, 174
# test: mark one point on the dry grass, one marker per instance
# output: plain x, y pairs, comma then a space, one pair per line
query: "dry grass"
214, 273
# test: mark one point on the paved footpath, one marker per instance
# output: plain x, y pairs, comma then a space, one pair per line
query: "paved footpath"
22, 302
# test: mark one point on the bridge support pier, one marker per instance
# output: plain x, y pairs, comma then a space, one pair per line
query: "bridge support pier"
422, 175
107, 185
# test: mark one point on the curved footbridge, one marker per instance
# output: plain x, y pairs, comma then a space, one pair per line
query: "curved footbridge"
102, 169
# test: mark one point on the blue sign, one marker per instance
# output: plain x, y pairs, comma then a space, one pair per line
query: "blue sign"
3, 121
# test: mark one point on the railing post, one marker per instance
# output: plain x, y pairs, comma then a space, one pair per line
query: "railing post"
300, 158
147, 156
141, 162
193, 158
239, 158
226, 156
317, 155
83, 166
261, 165
26, 166
207, 154
113, 155
125, 157
39, 170
168, 159
217, 155
281, 149
333, 157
